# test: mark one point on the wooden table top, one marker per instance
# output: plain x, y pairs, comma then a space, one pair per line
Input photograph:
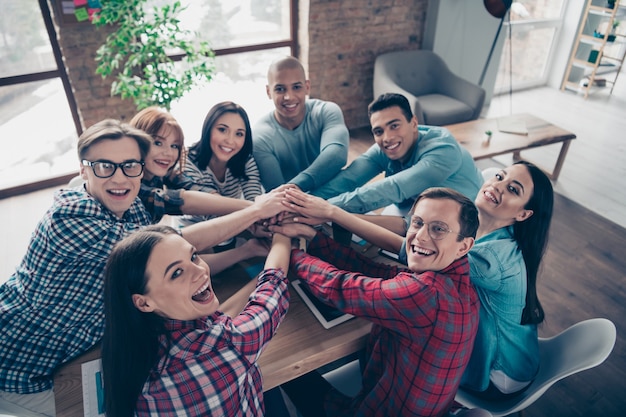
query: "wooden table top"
540, 133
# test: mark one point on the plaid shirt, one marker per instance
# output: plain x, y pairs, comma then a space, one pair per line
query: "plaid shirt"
208, 366
160, 200
51, 308
423, 332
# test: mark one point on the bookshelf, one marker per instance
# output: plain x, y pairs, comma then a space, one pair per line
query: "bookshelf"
598, 54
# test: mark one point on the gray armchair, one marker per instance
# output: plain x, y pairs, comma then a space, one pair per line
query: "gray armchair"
437, 96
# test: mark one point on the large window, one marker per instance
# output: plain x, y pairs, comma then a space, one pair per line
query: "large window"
37, 126
531, 32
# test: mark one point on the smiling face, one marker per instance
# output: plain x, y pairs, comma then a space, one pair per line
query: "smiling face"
288, 88
117, 192
228, 135
179, 282
164, 153
394, 133
502, 198
425, 253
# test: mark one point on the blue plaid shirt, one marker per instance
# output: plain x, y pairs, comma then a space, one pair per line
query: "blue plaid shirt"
51, 308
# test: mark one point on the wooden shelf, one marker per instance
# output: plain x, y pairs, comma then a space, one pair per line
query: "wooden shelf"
595, 17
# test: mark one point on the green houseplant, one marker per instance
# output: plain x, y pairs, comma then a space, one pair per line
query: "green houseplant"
136, 53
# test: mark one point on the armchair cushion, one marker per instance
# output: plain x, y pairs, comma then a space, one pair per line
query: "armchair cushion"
438, 96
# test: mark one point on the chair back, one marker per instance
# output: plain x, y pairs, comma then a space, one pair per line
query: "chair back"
582, 346
418, 72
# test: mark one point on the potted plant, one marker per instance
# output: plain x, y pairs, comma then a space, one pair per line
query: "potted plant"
137, 53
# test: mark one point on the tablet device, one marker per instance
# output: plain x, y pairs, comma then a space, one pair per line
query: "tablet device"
327, 316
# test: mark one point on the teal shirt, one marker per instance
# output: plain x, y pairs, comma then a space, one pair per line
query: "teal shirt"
308, 156
436, 160
498, 271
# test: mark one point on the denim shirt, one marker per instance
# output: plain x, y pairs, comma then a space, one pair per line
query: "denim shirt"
498, 272
436, 160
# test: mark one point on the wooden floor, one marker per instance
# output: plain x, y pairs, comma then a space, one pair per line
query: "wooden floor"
584, 272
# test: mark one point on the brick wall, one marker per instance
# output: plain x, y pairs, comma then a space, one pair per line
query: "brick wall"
344, 38
79, 43
340, 46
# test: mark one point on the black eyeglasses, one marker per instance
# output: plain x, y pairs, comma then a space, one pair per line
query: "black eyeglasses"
436, 230
106, 169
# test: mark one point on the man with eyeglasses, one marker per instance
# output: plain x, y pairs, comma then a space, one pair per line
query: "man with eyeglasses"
424, 318
51, 308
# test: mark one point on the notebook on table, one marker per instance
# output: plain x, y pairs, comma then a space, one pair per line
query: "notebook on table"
327, 316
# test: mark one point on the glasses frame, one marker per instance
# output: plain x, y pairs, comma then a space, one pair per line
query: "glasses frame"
430, 233
115, 165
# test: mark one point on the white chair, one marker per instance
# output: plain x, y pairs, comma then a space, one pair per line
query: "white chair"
582, 346
347, 379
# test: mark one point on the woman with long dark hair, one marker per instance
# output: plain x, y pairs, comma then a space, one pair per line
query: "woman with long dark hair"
221, 162
166, 347
515, 211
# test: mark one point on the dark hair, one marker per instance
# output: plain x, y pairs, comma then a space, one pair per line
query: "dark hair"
531, 236
152, 119
111, 129
201, 153
468, 215
131, 338
389, 100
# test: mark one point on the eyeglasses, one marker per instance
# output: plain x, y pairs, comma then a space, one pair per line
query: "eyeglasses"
106, 169
436, 230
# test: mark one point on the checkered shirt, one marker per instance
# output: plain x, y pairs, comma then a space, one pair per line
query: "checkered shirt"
208, 367
423, 332
51, 308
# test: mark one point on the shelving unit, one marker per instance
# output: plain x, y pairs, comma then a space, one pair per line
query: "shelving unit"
596, 62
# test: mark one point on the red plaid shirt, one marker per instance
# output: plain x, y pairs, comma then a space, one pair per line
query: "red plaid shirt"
424, 328
208, 366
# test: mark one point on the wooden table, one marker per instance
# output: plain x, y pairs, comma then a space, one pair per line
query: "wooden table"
300, 345
540, 133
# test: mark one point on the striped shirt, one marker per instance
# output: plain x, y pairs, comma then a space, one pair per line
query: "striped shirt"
423, 332
208, 366
193, 178
52, 307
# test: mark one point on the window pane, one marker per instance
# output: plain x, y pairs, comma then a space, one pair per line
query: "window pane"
240, 78
38, 133
536, 10
24, 44
232, 23
531, 49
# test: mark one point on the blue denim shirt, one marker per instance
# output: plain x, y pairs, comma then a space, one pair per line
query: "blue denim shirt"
498, 271
437, 160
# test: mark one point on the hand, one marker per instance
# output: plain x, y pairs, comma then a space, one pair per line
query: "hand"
294, 230
316, 210
271, 203
260, 230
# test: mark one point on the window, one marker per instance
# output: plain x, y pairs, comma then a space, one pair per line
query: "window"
530, 39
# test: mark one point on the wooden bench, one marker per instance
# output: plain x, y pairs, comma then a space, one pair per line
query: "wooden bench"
540, 133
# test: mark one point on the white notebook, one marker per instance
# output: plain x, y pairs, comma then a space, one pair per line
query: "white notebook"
328, 316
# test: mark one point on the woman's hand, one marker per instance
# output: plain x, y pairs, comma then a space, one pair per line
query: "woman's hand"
313, 210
